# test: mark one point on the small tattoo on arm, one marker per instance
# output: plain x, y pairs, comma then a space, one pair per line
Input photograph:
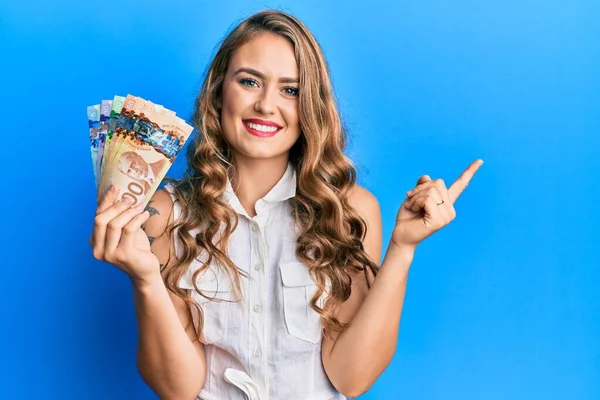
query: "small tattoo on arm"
151, 210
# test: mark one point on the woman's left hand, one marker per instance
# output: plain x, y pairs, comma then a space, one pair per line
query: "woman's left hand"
428, 208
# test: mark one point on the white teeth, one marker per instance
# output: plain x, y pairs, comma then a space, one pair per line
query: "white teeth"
262, 128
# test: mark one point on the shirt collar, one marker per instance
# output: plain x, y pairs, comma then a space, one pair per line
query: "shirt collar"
284, 189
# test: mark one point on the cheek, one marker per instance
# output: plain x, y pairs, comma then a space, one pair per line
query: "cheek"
231, 109
291, 115
235, 100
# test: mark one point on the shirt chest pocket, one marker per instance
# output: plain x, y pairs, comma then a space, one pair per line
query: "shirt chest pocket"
215, 306
298, 288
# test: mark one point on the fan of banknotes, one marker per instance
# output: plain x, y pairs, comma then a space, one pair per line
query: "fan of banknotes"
134, 143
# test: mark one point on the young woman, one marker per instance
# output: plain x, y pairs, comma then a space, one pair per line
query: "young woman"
257, 275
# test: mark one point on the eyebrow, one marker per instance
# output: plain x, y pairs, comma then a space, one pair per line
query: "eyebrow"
262, 76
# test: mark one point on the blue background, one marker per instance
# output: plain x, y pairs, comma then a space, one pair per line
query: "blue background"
501, 304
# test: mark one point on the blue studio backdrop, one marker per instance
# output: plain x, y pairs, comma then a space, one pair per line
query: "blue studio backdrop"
501, 304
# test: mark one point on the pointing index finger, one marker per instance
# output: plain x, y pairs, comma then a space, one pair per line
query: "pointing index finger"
463, 180
423, 179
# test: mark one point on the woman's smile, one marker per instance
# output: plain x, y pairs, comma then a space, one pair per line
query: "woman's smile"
261, 128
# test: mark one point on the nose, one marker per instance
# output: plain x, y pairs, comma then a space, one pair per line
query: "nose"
266, 103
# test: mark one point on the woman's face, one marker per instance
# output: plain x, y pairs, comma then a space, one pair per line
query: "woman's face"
259, 110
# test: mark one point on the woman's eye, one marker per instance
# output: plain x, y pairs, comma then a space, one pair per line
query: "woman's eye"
247, 82
289, 91
292, 91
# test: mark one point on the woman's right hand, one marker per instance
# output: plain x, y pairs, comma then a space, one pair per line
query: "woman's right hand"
118, 238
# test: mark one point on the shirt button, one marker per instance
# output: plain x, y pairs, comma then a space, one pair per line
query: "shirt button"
254, 227
256, 353
258, 308
257, 266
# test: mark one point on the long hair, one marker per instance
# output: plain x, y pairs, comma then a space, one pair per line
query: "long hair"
330, 230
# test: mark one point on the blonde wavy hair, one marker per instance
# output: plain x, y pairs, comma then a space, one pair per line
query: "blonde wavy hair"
331, 231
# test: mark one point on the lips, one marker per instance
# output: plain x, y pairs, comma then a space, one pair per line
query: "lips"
261, 128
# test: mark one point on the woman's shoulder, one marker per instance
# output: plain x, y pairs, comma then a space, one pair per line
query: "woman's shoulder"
161, 200
367, 206
160, 208
362, 199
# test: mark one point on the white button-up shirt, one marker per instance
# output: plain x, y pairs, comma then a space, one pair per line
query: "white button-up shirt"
269, 345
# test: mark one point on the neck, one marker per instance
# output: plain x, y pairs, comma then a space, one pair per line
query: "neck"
253, 178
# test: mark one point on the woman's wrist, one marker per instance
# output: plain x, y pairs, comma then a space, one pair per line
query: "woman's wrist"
405, 251
147, 283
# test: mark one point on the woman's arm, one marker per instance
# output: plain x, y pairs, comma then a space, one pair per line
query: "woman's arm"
170, 359
354, 359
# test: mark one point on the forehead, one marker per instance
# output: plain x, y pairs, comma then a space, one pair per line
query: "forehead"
270, 54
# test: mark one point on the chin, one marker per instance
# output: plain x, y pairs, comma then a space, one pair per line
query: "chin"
257, 153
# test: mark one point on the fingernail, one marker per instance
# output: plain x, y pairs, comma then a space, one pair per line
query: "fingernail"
127, 201
139, 207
